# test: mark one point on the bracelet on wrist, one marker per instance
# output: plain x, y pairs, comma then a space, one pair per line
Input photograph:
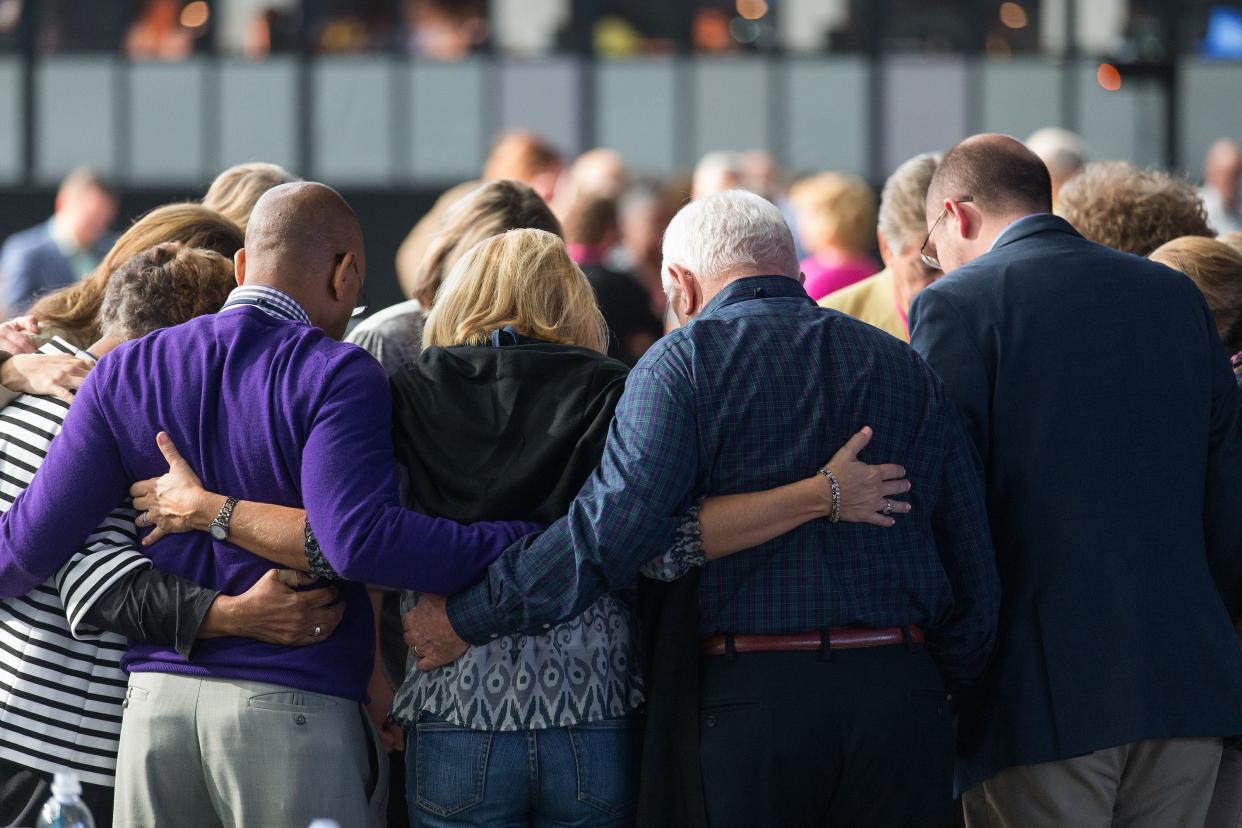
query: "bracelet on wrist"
835, 515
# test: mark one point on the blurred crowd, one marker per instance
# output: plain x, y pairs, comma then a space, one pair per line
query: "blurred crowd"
596, 380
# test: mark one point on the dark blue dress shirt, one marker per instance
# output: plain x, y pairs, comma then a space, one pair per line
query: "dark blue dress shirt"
759, 391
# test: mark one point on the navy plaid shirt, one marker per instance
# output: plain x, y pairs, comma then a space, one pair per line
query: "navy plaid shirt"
759, 391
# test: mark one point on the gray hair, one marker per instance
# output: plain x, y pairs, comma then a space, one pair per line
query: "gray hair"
722, 234
1064, 152
903, 211
717, 171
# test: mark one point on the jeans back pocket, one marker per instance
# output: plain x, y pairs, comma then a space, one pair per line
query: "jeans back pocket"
451, 766
607, 754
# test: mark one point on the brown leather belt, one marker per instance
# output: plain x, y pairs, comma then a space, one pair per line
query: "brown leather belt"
839, 638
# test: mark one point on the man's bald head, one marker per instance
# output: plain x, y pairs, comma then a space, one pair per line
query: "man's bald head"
999, 173
304, 239
301, 224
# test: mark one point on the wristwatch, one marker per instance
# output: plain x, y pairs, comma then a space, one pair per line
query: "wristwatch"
219, 527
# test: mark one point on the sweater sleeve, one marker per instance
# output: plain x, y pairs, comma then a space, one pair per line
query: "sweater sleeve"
80, 482
349, 488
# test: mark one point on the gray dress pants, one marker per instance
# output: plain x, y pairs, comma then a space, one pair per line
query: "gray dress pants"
210, 753
1159, 783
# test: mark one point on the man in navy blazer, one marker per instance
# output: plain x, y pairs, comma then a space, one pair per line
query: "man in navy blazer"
61, 250
1106, 418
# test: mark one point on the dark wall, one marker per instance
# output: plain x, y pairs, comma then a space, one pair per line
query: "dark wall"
386, 217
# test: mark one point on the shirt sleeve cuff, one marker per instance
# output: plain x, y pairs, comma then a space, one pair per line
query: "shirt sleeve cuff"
472, 615
195, 610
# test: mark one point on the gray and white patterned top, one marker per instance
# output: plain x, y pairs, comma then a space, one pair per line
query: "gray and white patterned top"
580, 671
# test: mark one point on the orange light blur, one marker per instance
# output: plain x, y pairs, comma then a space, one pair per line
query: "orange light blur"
1108, 77
752, 9
195, 14
1013, 16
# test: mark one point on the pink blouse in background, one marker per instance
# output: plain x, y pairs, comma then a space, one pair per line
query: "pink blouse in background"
828, 272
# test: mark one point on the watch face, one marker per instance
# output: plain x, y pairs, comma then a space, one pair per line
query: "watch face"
218, 532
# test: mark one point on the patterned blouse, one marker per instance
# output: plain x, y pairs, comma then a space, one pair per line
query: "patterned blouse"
583, 670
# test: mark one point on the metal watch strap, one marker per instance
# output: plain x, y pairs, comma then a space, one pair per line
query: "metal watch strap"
225, 515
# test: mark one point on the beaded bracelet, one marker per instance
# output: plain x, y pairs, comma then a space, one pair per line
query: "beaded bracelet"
835, 517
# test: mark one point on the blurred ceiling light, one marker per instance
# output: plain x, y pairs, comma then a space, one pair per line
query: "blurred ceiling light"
1013, 15
195, 14
752, 9
1108, 77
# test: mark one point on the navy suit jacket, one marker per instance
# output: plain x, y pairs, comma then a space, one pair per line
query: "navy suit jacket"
32, 265
1106, 416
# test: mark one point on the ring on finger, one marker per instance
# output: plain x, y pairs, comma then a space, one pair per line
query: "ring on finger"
888, 506
143, 520
417, 651
316, 631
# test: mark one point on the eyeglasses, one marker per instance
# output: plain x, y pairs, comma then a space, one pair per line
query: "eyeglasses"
930, 259
361, 308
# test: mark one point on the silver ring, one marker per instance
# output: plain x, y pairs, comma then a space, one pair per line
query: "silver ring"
888, 506
141, 520
316, 631
417, 651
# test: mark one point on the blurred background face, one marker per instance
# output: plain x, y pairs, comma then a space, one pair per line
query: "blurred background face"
1223, 172
88, 213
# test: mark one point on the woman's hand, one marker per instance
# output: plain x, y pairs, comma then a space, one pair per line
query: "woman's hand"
277, 610
866, 491
176, 502
14, 335
47, 375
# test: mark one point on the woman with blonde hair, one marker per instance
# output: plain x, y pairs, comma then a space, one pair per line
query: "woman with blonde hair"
394, 335
836, 217
236, 190
72, 313
505, 414
1216, 268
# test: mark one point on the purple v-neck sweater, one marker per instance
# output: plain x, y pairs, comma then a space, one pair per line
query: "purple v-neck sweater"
266, 410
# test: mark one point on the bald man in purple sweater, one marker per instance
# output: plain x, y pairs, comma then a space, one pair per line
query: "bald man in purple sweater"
265, 401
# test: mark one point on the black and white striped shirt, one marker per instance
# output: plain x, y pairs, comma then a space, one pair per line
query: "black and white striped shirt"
61, 683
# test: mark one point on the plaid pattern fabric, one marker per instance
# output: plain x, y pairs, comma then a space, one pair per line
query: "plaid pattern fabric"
271, 301
760, 391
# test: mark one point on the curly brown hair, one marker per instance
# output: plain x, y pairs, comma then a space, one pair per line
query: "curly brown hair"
164, 286
1133, 210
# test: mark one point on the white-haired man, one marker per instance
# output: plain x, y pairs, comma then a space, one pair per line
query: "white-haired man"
821, 658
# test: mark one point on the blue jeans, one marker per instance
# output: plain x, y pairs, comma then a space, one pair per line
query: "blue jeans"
585, 775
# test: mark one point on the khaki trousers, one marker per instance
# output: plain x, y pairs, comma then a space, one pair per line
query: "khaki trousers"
210, 753
1161, 783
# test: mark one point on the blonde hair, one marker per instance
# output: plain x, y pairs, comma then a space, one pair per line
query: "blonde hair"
524, 279
835, 210
1216, 268
1116, 204
73, 311
488, 210
236, 190
1233, 239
